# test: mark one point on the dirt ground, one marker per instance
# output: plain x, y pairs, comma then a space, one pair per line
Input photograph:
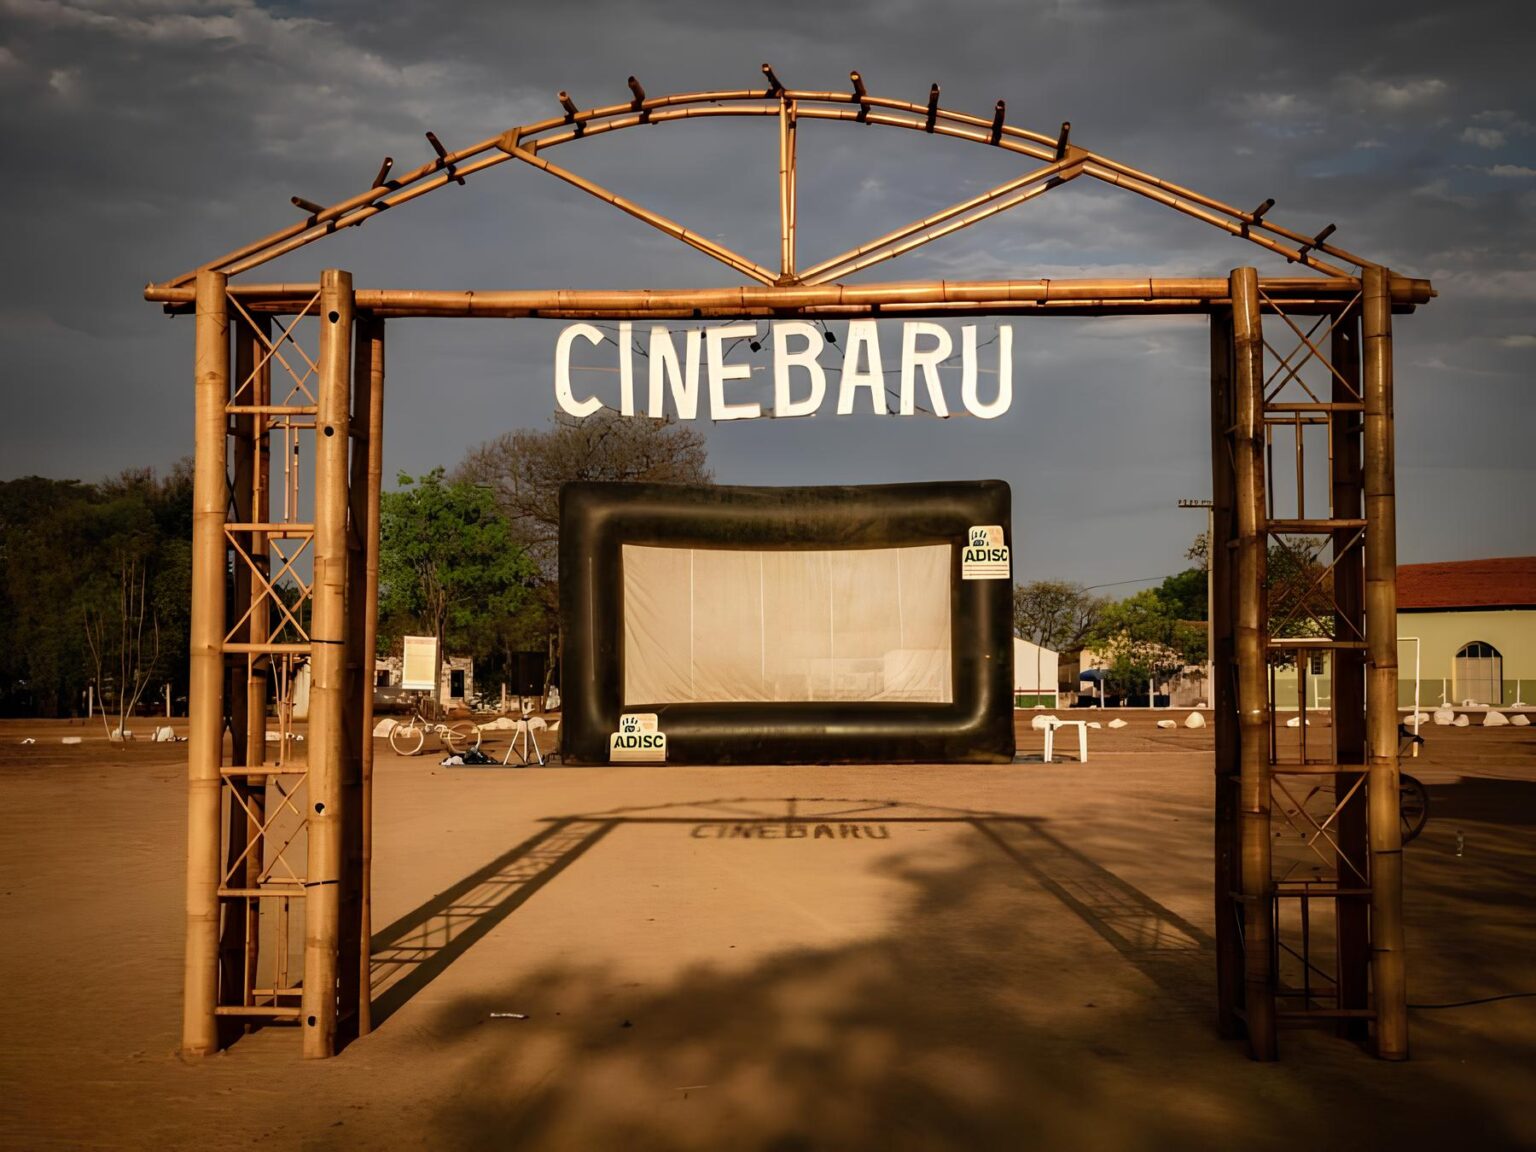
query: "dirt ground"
1008, 957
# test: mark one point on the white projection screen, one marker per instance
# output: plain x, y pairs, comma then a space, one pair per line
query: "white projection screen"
711, 625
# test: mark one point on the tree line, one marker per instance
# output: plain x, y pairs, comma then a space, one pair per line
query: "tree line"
95, 590
1152, 634
95, 578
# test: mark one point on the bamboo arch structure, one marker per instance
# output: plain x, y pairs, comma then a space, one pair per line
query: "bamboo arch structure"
260, 393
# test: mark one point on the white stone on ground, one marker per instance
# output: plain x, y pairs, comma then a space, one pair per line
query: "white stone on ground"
1462, 721
384, 727
1495, 719
1520, 720
1418, 718
1194, 720
65, 740
1116, 723
1094, 724
1167, 723
1444, 716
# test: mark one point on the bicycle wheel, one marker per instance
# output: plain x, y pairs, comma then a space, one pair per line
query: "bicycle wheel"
1413, 804
407, 739
459, 737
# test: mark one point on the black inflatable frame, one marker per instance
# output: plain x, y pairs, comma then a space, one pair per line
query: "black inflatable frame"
597, 519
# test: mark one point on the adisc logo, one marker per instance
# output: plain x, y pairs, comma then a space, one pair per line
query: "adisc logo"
986, 556
638, 740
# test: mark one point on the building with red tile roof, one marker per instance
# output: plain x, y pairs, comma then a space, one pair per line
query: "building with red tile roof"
1467, 585
1471, 624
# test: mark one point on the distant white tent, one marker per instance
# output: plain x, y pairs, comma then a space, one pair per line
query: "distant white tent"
1034, 672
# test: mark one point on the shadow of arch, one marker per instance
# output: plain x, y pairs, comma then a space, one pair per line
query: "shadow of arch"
413, 951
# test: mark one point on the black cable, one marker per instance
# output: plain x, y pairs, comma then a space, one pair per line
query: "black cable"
1470, 1003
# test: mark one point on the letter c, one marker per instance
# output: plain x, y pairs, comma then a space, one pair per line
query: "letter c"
563, 396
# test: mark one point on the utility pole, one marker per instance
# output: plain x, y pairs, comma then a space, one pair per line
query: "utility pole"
1210, 593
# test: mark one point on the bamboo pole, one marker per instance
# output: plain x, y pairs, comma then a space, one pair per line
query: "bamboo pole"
850, 261
327, 697
375, 472
205, 724
1348, 695
1388, 968
350, 946
1182, 294
1224, 718
786, 191
718, 251
1251, 651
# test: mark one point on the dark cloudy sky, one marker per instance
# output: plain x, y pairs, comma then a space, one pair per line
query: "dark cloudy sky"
140, 138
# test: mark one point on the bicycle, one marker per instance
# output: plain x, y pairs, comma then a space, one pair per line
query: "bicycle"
410, 737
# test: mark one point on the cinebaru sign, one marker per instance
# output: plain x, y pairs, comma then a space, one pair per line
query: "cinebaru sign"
701, 371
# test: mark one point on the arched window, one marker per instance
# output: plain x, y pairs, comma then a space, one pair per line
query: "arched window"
1479, 673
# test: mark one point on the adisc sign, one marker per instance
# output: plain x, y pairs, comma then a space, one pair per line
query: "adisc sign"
799, 374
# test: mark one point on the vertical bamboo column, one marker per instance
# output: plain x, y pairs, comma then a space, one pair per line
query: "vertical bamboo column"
1348, 696
373, 330
205, 725
355, 922
1251, 650
1229, 947
349, 971
327, 698
1388, 968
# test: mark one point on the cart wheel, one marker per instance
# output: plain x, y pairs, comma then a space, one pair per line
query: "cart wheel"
459, 737
1413, 804
407, 739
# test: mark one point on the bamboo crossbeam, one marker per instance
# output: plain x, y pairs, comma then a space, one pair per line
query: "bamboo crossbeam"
1199, 293
1306, 527
270, 1012
281, 529
1312, 643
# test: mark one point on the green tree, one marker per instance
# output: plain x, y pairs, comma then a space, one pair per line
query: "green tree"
526, 469
1144, 638
64, 548
449, 562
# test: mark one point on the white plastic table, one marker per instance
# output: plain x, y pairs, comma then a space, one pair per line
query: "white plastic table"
1051, 724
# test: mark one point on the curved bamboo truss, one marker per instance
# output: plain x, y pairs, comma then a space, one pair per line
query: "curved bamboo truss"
1062, 162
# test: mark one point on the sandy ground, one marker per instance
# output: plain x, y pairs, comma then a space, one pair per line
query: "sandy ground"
1000, 957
